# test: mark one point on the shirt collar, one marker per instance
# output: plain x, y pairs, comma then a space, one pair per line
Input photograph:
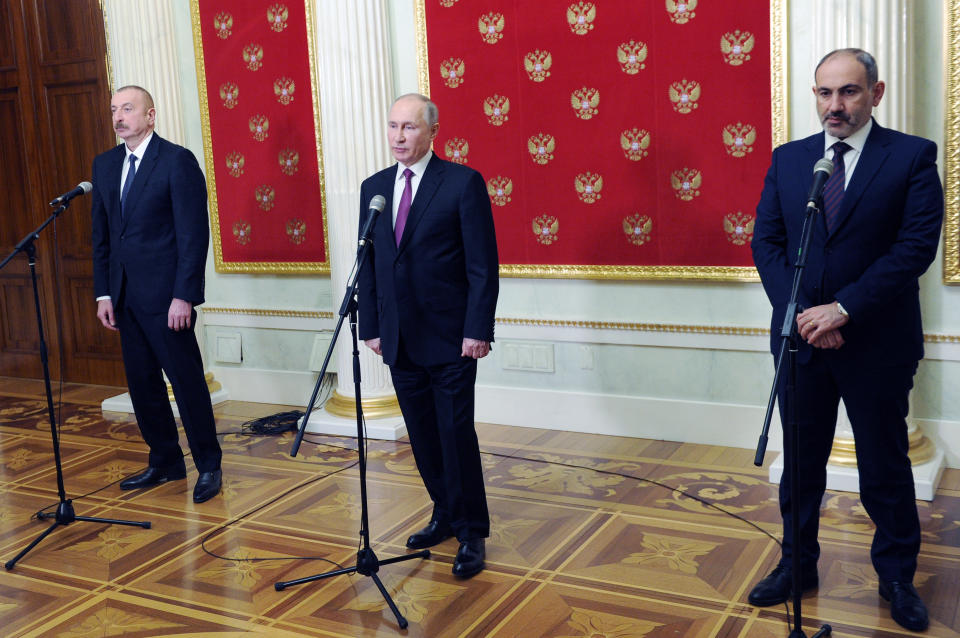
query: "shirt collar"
856, 141
417, 168
141, 149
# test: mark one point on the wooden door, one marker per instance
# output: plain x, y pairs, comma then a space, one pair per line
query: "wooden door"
54, 118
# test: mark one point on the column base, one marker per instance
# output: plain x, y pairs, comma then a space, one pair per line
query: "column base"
386, 429
122, 402
844, 478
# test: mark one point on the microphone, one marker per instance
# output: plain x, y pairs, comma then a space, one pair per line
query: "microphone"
821, 173
377, 202
82, 189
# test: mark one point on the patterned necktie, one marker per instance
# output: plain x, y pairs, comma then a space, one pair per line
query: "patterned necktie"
834, 188
127, 183
403, 209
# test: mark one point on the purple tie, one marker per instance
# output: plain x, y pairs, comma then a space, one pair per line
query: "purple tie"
834, 188
403, 209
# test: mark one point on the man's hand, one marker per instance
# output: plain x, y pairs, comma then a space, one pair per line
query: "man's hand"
819, 326
105, 314
178, 317
374, 344
474, 348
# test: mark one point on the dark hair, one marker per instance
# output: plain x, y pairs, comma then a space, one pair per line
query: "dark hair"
864, 58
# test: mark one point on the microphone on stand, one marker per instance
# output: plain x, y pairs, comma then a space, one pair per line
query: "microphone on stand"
82, 189
821, 173
377, 202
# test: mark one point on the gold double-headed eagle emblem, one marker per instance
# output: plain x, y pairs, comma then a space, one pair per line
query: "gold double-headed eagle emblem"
738, 227
499, 189
253, 56
264, 194
537, 64
546, 228
496, 108
452, 70
681, 12
235, 162
580, 17
739, 138
686, 183
637, 228
635, 143
491, 27
277, 16
241, 232
297, 231
684, 95
541, 147
631, 56
456, 150
585, 102
283, 88
588, 186
259, 125
289, 161
736, 46
230, 94
222, 25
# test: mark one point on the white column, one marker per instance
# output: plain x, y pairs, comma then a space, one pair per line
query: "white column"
356, 90
142, 50
884, 28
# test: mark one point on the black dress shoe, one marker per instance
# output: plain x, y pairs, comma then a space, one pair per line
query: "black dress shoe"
778, 585
906, 608
433, 534
208, 486
153, 476
469, 560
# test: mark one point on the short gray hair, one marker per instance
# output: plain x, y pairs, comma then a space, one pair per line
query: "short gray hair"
431, 114
148, 99
864, 58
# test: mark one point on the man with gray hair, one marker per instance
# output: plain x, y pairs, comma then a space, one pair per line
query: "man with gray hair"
860, 333
428, 293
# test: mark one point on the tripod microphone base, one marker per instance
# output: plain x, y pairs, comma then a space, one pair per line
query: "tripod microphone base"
824, 631
367, 565
64, 516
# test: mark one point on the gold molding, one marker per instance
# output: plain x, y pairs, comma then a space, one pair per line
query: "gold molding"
375, 408
951, 144
844, 450
268, 312
778, 114
634, 327
276, 268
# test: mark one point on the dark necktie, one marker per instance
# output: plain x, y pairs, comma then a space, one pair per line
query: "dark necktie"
127, 183
403, 209
834, 188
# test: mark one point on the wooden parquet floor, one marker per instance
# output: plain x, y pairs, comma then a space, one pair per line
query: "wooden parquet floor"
582, 544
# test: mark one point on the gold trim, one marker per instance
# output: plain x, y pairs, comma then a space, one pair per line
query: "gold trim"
844, 450
109, 60
267, 312
778, 114
212, 386
951, 145
285, 268
375, 408
635, 327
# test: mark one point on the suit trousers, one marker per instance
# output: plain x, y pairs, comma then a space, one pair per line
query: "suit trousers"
149, 348
876, 399
437, 403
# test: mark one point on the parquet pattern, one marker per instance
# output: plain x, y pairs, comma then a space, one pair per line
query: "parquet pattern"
582, 546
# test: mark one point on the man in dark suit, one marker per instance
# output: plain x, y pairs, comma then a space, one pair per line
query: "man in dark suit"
860, 332
150, 238
427, 298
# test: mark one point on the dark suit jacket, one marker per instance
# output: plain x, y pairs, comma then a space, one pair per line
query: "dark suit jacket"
160, 242
441, 284
886, 236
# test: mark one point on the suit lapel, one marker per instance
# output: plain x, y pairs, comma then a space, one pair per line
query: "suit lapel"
145, 167
815, 152
383, 232
872, 157
429, 183
112, 178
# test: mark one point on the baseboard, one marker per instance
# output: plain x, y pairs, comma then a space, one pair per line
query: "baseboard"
266, 386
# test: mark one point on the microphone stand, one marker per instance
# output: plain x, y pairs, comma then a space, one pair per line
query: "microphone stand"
367, 562
788, 353
65, 513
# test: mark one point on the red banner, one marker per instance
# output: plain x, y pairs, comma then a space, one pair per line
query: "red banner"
261, 129
618, 138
